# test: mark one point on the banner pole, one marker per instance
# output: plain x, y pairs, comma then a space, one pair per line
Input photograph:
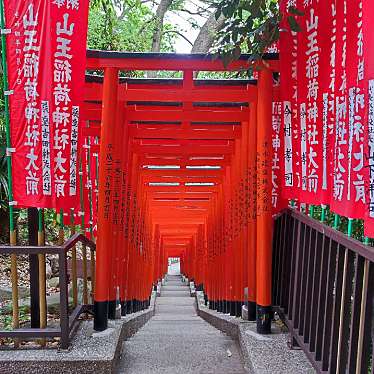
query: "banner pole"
7, 118
350, 227
42, 275
61, 236
74, 261
336, 221
12, 234
33, 230
81, 200
323, 213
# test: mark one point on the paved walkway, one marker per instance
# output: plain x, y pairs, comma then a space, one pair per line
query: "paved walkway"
177, 341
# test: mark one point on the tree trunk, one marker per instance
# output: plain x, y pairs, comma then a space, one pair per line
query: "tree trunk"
206, 37
158, 30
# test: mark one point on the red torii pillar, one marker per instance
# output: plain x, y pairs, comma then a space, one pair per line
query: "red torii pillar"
123, 243
264, 206
252, 213
104, 235
117, 227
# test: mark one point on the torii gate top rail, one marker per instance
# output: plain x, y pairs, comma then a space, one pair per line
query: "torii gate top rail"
170, 61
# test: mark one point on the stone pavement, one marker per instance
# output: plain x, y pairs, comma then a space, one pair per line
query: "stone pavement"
176, 340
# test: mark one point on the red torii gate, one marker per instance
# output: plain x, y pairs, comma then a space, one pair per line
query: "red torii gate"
182, 155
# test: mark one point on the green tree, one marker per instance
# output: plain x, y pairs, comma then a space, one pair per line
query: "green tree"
159, 34
129, 31
251, 26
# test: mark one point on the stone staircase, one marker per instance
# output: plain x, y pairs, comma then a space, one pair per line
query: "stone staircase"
174, 287
176, 340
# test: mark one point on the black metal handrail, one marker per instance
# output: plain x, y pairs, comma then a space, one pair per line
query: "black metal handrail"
48, 249
67, 323
323, 290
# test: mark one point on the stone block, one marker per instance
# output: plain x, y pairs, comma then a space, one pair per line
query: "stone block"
244, 313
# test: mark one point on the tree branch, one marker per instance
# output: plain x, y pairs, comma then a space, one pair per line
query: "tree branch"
178, 33
160, 15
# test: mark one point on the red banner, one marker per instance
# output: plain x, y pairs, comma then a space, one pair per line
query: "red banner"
368, 14
330, 146
289, 134
46, 53
277, 199
309, 99
350, 175
326, 105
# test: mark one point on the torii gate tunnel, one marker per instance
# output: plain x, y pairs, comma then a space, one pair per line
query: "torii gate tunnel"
185, 171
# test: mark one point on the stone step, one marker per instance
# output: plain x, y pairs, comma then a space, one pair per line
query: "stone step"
176, 309
165, 335
175, 288
179, 281
176, 282
181, 293
179, 286
165, 338
176, 313
170, 282
181, 309
163, 309
175, 317
182, 328
175, 301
